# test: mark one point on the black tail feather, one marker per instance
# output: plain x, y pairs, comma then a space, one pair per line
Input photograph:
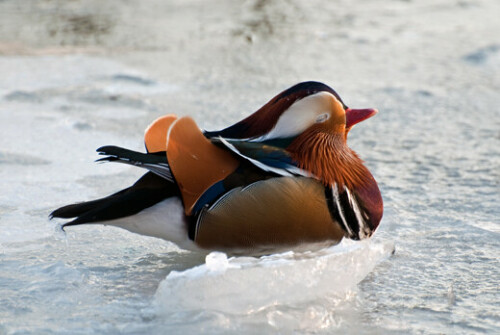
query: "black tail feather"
147, 191
154, 162
74, 210
122, 153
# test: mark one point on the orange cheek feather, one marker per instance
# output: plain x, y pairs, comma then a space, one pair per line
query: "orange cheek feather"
325, 154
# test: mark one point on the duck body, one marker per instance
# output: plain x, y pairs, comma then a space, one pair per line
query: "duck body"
283, 178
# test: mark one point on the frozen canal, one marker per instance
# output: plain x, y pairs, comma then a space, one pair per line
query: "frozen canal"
77, 75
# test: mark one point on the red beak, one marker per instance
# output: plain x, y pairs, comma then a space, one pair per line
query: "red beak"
353, 116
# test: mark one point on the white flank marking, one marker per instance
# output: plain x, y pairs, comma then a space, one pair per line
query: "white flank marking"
282, 172
164, 220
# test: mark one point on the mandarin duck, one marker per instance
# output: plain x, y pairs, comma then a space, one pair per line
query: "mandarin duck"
283, 178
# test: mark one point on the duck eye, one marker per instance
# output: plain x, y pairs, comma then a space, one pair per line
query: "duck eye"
322, 117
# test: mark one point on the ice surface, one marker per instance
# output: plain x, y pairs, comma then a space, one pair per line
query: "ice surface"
288, 292
240, 285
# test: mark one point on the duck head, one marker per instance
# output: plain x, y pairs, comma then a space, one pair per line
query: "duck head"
311, 121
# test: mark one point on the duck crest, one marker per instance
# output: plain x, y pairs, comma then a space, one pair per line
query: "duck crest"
263, 120
328, 158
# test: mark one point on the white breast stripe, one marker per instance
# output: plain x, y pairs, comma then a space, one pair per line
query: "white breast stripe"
363, 231
335, 193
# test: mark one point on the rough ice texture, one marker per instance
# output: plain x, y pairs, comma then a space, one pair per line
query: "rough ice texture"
246, 290
239, 285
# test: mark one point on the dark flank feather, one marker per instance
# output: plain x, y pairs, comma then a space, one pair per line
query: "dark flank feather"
268, 158
147, 191
266, 154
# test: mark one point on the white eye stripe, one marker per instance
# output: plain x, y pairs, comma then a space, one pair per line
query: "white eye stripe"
299, 116
322, 118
